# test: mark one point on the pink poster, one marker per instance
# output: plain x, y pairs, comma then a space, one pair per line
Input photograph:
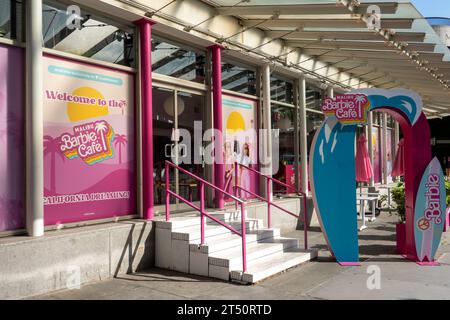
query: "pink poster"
376, 154
12, 164
240, 143
390, 153
89, 139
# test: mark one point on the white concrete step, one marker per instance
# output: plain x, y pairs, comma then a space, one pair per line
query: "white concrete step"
193, 233
232, 258
193, 218
227, 241
268, 266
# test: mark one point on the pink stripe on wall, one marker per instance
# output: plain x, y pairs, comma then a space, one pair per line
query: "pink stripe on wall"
12, 160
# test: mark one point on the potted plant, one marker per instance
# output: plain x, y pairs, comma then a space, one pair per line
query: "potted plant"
398, 196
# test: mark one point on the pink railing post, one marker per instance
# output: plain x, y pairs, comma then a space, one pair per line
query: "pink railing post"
167, 172
202, 213
269, 215
236, 165
244, 242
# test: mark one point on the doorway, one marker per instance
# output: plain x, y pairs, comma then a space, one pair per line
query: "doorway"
177, 112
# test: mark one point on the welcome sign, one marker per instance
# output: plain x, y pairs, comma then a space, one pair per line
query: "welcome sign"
347, 108
89, 153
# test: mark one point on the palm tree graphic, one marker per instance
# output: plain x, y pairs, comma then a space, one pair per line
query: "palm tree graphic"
51, 147
120, 140
101, 128
360, 100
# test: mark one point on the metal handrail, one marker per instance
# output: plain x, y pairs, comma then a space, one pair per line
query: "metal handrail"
202, 211
269, 201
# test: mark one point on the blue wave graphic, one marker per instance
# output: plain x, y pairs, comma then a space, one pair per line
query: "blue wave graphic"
405, 104
334, 187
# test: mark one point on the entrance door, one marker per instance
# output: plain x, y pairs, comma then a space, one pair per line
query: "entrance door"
175, 112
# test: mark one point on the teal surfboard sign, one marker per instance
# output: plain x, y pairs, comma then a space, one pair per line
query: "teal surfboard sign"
429, 214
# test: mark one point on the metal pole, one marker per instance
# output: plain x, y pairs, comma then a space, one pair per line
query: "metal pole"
167, 173
145, 32
369, 144
396, 141
244, 241
202, 212
384, 147
269, 215
303, 135
219, 168
296, 138
236, 181
305, 221
34, 121
330, 92
265, 70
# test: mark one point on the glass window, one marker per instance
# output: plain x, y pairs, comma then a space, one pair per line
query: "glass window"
238, 79
176, 61
11, 21
96, 38
281, 90
390, 122
283, 121
313, 121
314, 98
376, 120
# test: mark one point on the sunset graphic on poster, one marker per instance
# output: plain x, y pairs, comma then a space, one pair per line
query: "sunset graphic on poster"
79, 111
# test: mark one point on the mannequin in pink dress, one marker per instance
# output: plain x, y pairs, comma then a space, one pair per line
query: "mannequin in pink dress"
244, 174
229, 159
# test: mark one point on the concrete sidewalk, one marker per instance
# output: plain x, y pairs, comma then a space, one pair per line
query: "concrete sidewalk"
320, 279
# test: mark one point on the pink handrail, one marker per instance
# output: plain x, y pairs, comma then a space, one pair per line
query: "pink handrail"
202, 210
269, 201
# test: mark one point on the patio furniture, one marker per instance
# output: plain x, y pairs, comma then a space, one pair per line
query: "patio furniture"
362, 198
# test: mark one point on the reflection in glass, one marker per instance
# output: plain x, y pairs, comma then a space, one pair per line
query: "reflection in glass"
11, 19
193, 111
314, 98
96, 38
313, 121
163, 128
283, 121
174, 61
238, 79
166, 114
281, 90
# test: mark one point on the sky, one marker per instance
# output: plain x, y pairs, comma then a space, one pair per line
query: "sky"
433, 8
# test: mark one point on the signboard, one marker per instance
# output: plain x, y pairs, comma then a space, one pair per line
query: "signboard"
347, 108
332, 174
12, 142
240, 141
429, 213
89, 155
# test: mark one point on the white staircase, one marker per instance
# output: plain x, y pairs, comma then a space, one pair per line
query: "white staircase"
178, 248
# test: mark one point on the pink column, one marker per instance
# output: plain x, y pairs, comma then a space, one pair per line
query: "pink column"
145, 31
417, 157
219, 168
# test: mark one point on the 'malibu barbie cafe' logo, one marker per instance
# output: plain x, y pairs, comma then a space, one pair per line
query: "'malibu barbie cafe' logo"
348, 108
91, 142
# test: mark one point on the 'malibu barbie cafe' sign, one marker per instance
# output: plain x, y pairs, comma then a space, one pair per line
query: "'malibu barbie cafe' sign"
348, 108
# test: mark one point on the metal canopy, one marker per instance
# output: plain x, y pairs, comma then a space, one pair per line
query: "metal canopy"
404, 51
